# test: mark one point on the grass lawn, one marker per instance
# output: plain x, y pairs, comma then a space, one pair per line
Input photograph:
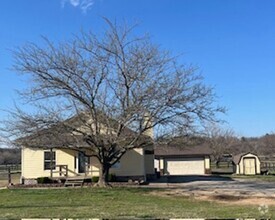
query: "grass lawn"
114, 203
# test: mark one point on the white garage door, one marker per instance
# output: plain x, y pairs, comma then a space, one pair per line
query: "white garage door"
185, 166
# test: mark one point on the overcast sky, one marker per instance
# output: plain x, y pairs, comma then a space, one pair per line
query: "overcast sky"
233, 43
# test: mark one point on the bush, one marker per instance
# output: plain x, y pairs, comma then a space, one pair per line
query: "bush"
43, 180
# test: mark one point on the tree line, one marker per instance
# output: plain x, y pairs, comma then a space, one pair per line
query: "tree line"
10, 156
226, 142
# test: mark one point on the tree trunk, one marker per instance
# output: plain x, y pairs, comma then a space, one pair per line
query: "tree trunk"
103, 176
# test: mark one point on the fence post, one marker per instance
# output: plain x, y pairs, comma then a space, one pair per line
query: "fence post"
9, 175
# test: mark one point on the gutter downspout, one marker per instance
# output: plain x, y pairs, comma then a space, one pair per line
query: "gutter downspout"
22, 166
144, 167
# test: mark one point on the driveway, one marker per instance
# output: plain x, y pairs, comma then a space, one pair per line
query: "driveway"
214, 185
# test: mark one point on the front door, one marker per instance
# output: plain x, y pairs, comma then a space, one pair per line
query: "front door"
249, 166
82, 161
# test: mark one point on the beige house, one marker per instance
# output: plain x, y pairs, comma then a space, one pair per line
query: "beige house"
136, 164
247, 164
176, 159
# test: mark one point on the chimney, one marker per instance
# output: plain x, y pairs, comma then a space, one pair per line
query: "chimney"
147, 122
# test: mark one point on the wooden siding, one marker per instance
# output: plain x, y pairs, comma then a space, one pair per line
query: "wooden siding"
133, 163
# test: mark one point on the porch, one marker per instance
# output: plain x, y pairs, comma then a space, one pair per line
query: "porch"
60, 171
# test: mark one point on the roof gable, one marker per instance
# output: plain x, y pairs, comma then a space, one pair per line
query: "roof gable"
237, 158
60, 136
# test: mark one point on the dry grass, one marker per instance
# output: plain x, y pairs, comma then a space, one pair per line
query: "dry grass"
221, 197
15, 178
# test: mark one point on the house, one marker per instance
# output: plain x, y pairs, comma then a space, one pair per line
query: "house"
246, 164
175, 158
52, 159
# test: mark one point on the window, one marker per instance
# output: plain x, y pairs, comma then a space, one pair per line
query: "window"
49, 159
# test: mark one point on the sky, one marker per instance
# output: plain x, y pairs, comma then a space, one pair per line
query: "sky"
231, 41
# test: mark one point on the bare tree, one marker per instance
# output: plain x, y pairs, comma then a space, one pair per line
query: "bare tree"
267, 143
263, 145
220, 140
105, 92
9, 156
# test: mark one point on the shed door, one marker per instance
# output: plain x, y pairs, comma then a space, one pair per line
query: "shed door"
185, 166
249, 166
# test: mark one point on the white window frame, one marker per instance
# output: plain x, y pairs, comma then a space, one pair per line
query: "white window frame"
49, 161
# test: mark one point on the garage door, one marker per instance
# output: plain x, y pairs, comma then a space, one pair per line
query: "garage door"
185, 166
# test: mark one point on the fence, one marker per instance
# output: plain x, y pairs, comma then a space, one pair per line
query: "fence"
268, 166
9, 177
11, 167
222, 168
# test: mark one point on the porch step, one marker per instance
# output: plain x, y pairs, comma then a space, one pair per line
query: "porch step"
74, 181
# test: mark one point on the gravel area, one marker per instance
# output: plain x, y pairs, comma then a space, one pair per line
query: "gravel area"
209, 186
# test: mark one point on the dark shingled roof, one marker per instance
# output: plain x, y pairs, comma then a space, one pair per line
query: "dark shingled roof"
59, 137
178, 147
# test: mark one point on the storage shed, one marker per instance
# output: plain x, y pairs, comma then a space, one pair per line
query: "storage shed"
247, 164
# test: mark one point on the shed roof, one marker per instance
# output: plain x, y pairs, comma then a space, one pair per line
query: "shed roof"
237, 158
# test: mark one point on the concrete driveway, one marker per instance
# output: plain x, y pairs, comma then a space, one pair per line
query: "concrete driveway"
214, 185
